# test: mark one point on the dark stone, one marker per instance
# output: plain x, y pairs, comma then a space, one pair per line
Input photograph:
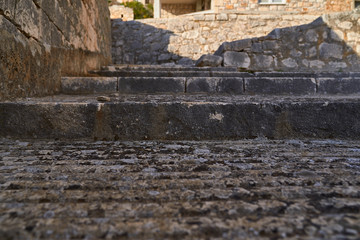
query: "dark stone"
151, 84
238, 45
236, 59
178, 118
264, 85
83, 85
209, 61
231, 85
339, 85
195, 85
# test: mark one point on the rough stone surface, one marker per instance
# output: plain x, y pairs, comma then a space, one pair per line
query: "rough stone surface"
156, 79
120, 11
182, 117
84, 85
151, 85
209, 85
42, 40
209, 61
331, 51
187, 38
236, 59
290, 189
345, 85
315, 7
280, 85
330, 43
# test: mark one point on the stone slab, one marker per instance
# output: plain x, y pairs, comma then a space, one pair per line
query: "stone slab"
267, 85
173, 117
196, 85
155, 73
231, 85
170, 73
164, 68
339, 86
151, 84
84, 85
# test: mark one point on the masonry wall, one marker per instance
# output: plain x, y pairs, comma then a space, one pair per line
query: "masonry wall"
184, 39
298, 6
173, 10
41, 40
120, 11
331, 43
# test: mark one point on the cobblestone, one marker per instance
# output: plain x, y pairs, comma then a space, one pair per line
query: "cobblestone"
249, 189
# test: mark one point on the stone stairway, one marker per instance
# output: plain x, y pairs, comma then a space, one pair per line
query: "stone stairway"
221, 80
228, 155
189, 103
249, 189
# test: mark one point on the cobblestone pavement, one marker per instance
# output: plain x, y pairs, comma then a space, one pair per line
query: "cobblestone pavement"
251, 189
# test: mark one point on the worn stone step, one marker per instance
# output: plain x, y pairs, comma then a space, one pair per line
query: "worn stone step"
275, 85
178, 189
177, 68
182, 117
169, 73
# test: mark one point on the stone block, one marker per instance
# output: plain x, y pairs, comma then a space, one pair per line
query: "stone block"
222, 17
270, 45
236, 59
345, 25
231, 85
151, 85
210, 17
339, 85
237, 46
311, 52
262, 62
256, 48
209, 60
199, 17
316, 64
198, 85
289, 63
85, 85
278, 86
331, 50
338, 66
311, 35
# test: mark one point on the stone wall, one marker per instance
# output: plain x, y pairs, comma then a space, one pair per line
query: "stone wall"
184, 39
172, 10
42, 40
120, 11
331, 43
303, 6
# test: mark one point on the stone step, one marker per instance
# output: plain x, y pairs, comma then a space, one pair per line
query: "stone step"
159, 71
178, 68
182, 117
306, 189
280, 84
169, 73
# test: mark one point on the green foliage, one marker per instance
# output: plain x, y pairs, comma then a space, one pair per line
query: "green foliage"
140, 11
